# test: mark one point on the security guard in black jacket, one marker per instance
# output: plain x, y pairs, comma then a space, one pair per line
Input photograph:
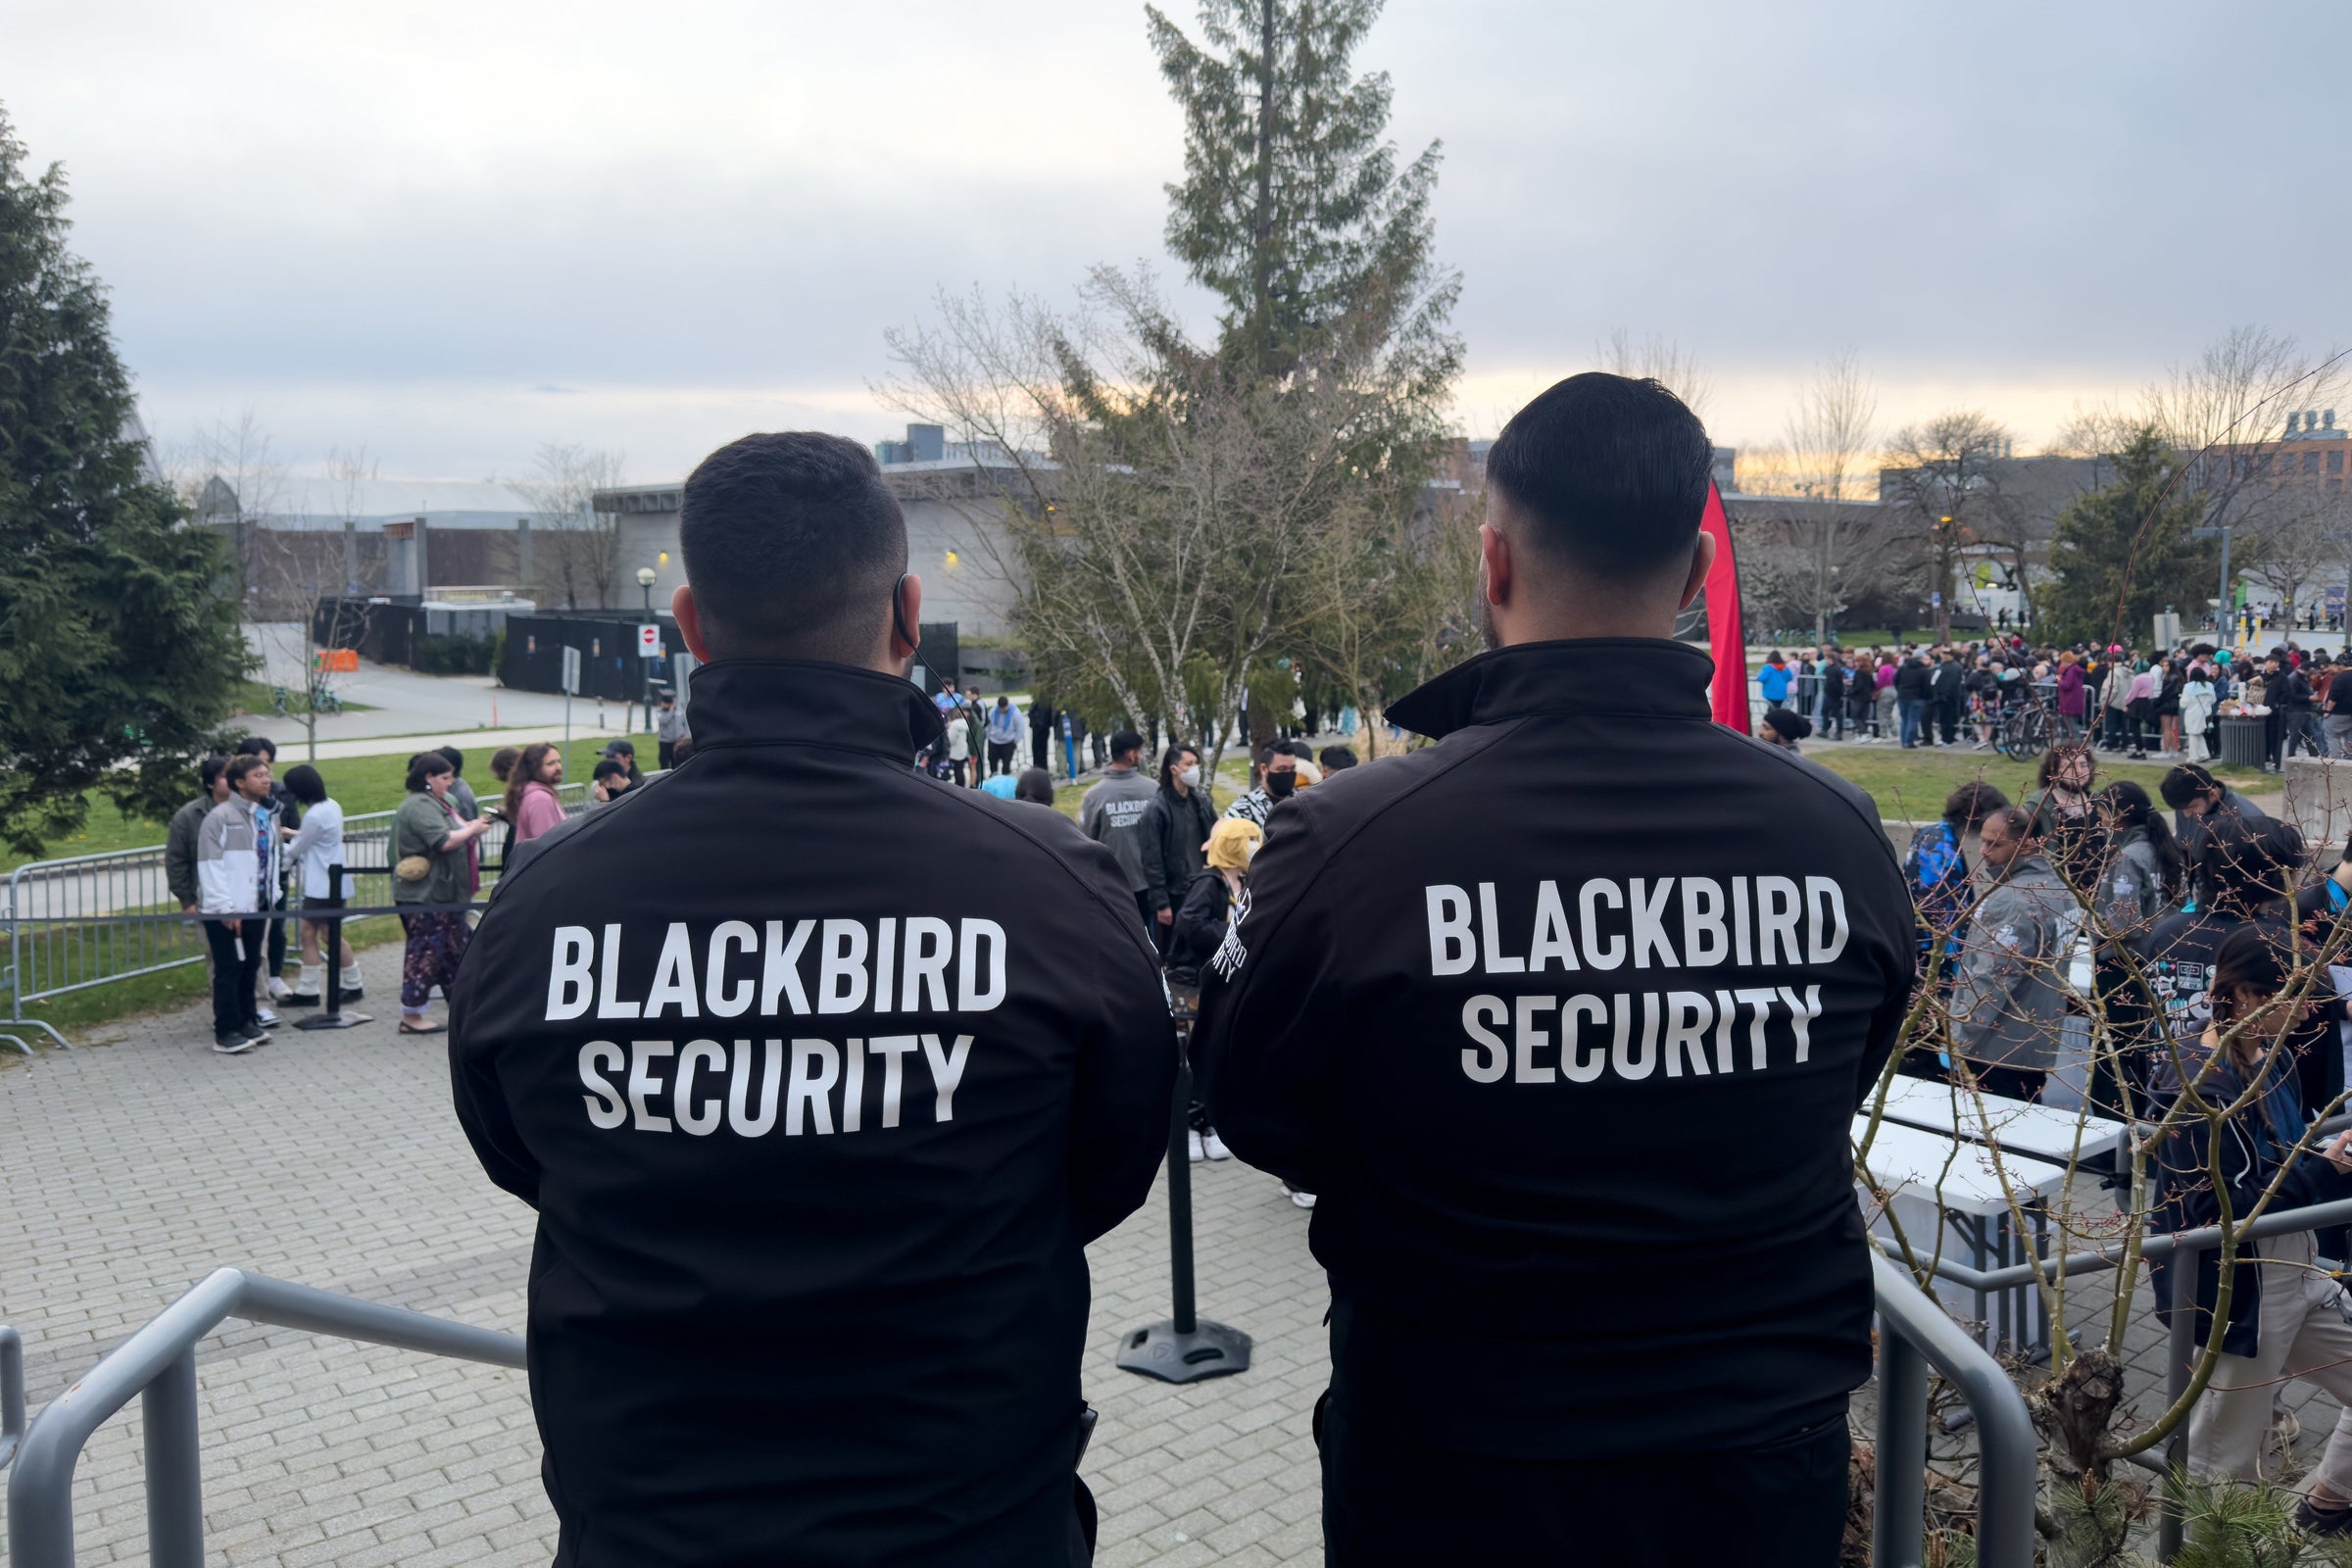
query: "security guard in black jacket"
1565, 1019
820, 1075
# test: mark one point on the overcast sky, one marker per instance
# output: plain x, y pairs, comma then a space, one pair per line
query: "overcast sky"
454, 231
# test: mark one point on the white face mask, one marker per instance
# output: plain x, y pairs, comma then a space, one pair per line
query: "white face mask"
1190, 778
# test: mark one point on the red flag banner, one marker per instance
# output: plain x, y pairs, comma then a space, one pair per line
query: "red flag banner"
1727, 639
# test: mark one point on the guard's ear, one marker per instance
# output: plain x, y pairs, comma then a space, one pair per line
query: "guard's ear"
689, 618
1702, 561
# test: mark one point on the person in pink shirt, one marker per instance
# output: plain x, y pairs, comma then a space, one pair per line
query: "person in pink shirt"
532, 806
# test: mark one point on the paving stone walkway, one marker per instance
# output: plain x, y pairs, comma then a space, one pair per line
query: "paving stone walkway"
137, 1165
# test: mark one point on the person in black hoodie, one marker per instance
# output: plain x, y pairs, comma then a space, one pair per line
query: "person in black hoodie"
2285, 1317
1173, 837
820, 1076
1483, 998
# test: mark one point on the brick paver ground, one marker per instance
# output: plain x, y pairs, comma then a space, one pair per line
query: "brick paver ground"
134, 1166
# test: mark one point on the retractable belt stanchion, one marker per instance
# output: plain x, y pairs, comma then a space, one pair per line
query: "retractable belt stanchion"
332, 1015
1182, 1349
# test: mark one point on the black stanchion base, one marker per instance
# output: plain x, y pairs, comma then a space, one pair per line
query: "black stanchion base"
333, 1020
1210, 1350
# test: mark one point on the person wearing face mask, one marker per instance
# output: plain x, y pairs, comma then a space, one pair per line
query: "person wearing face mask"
1277, 776
1174, 835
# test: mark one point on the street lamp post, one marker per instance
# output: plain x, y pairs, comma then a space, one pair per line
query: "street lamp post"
646, 576
2221, 608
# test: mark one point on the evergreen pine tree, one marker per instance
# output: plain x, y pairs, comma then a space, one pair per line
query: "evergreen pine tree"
1292, 207
2124, 552
117, 655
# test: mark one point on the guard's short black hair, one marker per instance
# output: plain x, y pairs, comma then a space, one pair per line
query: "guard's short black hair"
1608, 475
793, 545
1124, 741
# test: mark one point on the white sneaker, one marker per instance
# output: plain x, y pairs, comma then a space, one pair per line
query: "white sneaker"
279, 990
1298, 1199
266, 1018
1215, 1145
1192, 1148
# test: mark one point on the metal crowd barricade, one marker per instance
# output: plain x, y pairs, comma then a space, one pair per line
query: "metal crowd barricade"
158, 1363
88, 921
12, 1392
1914, 1334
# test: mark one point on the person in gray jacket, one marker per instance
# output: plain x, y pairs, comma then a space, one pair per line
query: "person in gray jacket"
1113, 809
179, 839
2010, 997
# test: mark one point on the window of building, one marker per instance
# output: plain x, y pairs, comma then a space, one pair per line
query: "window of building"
2311, 463
2335, 460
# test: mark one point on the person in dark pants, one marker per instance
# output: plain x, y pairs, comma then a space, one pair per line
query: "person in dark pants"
1173, 837
284, 813
1473, 984
1946, 692
236, 875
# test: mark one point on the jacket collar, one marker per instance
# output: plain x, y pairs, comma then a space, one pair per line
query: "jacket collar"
750, 702
1650, 676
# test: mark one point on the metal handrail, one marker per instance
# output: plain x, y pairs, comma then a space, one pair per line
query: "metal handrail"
1914, 1335
158, 1364
12, 1392
2278, 1222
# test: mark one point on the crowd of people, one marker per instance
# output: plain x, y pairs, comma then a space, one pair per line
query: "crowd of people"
2165, 704
2192, 945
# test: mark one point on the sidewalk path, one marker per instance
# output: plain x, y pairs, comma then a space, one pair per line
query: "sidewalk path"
137, 1166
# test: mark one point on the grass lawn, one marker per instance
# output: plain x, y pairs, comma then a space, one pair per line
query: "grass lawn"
1912, 785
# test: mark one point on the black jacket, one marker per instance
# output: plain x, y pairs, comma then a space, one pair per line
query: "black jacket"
1555, 1229
817, 1145
1945, 682
1912, 678
1174, 832
1200, 926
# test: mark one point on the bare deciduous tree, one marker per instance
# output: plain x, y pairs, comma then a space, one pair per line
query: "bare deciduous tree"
1659, 358
1943, 475
585, 542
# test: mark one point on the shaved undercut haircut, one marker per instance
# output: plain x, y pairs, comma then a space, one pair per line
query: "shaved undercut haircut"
1605, 475
793, 547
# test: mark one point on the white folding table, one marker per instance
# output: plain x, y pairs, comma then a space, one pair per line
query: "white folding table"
1944, 1193
2018, 1125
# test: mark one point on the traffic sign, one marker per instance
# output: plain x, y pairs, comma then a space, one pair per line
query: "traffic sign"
648, 642
571, 672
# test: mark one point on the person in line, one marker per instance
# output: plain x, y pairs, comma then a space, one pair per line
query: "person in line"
461, 793
1861, 699
608, 781
2287, 1319
811, 1279
2066, 814
1830, 716
434, 863
1112, 810
1273, 777
2197, 705
1883, 699
1303, 755
1936, 868
502, 766
1173, 838
1783, 728
1774, 680
279, 814
2141, 883
1946, 692
1911, 683
2071, 684
2246, 874
533, 808
1035, 786
1217, 892
1522, 1371
1004, 724
237, 874
669, 727
2010, 994
625, 752
180, 836
315, 848
2199, 800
